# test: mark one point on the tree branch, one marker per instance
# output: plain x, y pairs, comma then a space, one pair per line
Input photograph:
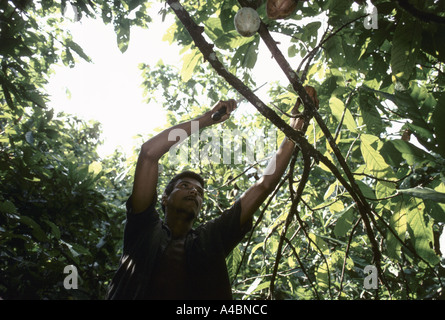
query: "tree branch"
421, 15
309, 111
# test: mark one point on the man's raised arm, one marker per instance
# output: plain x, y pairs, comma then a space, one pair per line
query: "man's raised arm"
252, 199
146, 175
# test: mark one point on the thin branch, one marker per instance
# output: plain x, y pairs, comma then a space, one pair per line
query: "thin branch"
346, 256
312, 53
421, 15
348, 101
292, 212
356, 193
303, 269
377, 179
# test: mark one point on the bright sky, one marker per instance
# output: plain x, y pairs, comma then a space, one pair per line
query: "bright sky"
109, 89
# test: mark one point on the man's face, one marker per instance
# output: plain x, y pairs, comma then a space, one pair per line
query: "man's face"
186, 197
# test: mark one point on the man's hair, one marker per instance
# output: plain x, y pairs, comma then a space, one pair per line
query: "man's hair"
185, 174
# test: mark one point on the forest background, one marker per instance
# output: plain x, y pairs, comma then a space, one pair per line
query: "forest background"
358, 215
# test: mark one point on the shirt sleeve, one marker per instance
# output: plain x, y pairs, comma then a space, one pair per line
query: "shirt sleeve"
226, 229
139, 224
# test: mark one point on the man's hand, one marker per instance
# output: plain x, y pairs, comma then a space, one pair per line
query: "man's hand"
298, 122
222, 110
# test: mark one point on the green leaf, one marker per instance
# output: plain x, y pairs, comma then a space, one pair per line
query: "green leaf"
213, 28
122, 30
438, 120
421, 231
7, 207
375, 163
405, 47
246, 55
392, 156
292, 52
407, 106
190, 61
398, 223
410, 152
344, 223
95, 168
385, 189
338, 109
251, 55
335, 51
319, 244
232, 39
79, 173
367, 191
322, 276
424, 193
227, 15
36, 97
232, 262
37, 231
77, 49
54, 229
309, 36
370, 114
80, 249
435, 210
67, 58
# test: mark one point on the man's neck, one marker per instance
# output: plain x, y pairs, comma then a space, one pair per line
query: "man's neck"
178, 227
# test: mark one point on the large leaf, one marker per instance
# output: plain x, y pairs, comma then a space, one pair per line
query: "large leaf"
407, 105
405, 48
424, 193
435, 209
438, 120
370, 114
232, 261
122, 29
78, 49
344, 223
246, 55
375, 163
36, 230
322, 276
341, 113
410, 152
421, 231
398, 224
190, 61
335, 51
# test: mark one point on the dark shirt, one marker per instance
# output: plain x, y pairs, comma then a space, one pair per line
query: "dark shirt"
169, 279
150, 255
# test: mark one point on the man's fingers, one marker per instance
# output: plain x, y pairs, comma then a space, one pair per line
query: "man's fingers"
223, 109
230, 105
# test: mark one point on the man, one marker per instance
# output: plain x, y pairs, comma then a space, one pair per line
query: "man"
168, 259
